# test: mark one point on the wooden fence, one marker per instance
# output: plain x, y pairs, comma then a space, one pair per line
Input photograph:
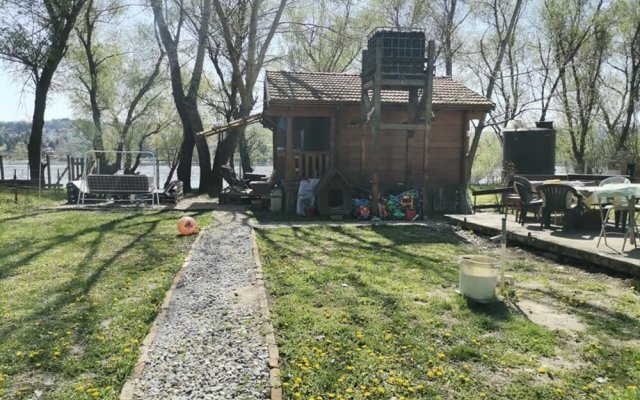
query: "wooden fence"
73, 170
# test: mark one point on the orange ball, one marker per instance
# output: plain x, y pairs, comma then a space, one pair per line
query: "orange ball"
187, 226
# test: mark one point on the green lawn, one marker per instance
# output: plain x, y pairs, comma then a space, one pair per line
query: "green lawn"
78, 293
372, 312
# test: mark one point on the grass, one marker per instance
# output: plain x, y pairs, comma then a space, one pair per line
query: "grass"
78, 292
372, 312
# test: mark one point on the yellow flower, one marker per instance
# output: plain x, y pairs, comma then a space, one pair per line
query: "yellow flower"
542, 370
18, 354
297, 395
441, 355
349, 390
56, 354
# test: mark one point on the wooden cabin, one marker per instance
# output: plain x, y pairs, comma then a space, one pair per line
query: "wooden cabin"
314, 118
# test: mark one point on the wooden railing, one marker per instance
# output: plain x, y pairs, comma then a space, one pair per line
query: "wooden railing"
310, 164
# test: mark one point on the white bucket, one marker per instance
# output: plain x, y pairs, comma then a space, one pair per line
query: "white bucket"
478, 277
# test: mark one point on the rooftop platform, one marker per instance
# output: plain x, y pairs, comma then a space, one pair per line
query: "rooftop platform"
578, 244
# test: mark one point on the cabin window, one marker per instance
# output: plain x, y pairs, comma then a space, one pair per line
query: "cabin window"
311, 133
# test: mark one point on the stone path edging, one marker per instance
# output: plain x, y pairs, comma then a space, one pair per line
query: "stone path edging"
270, 338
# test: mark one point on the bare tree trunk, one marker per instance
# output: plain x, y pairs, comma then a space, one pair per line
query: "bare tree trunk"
62, 26
37, 124
471, 155
187, 104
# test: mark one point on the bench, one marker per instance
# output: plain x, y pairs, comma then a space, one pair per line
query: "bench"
503, 191
120, 185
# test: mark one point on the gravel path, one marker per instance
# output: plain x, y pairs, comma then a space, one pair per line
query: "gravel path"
209, 344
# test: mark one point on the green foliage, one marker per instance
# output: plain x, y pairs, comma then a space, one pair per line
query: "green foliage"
78, 292
370, 312
325, 36
260, 144
487, 166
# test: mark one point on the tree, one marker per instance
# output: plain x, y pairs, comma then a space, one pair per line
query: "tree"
578, 88
115, 83
324, 36
401, 14
246, 29
502, 25
34, 35
621, 82
446, 17
186, 101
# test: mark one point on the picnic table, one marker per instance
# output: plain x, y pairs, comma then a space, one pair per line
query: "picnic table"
607, 193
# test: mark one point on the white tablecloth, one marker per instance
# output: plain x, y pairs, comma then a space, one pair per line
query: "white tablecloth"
602, 194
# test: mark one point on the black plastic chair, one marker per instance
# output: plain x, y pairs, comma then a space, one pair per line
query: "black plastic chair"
560, 198
528, 202
235, 184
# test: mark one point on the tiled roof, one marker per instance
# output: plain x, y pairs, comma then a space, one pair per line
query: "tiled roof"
323, 87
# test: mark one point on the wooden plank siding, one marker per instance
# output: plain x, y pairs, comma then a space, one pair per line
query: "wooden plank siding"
448, 143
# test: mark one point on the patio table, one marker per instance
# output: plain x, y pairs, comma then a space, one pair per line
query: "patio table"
602, 194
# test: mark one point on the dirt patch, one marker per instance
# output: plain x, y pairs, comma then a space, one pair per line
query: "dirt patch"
248, 295
546, 314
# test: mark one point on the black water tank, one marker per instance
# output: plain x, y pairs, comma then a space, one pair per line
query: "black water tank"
530, 150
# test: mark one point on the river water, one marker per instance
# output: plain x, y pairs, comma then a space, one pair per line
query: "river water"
21, 169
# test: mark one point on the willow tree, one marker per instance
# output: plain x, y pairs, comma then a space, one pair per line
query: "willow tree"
621, 82
501, 21
34, 36
115, 82
246, 30
567, 23
196, 16
324, 36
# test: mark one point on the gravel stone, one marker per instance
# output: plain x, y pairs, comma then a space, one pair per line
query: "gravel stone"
208, 345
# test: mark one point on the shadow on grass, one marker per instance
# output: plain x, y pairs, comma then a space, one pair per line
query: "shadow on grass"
65, 306
613, 323
496, 310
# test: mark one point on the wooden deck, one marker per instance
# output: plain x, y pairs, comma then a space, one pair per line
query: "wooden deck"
579, 244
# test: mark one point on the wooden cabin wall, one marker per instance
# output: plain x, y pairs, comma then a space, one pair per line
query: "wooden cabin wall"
448, 141
448, 145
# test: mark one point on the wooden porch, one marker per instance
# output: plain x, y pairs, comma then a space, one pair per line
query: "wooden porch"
579, 245
310, 164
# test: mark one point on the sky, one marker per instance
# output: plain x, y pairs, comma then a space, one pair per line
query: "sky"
16, 104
